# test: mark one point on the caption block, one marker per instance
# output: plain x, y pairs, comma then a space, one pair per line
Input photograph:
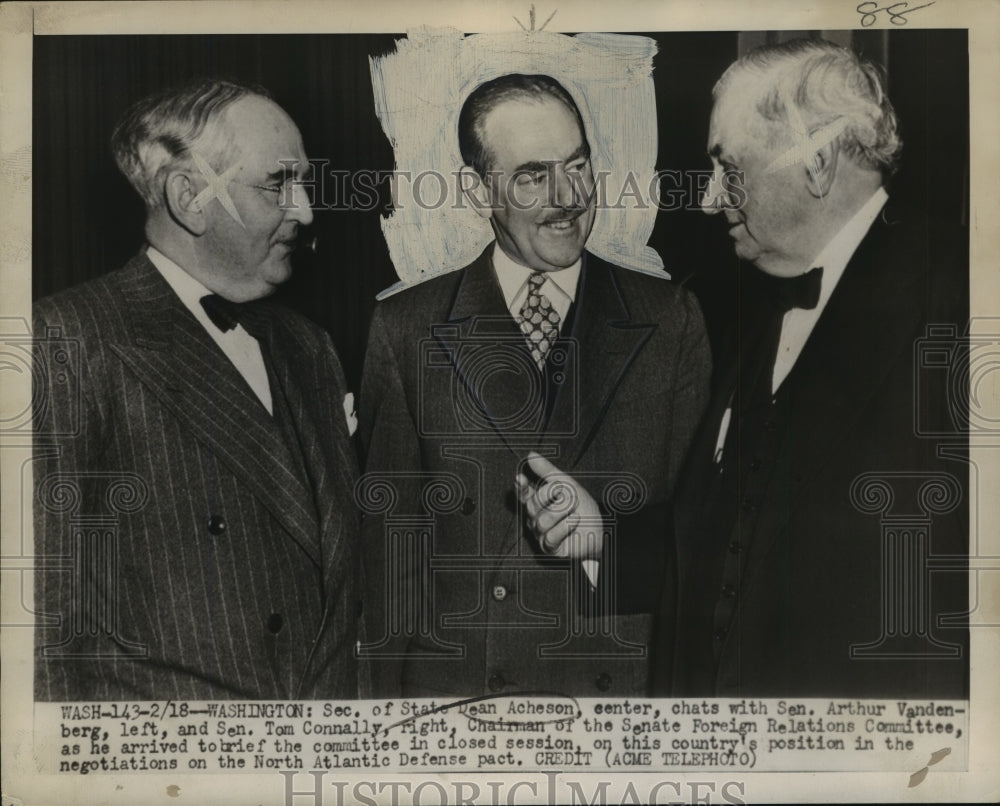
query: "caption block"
503, 733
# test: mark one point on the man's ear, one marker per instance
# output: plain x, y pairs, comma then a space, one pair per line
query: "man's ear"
476, 191
181, 202
822, 170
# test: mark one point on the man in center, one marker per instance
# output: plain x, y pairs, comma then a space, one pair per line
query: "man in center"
523, 421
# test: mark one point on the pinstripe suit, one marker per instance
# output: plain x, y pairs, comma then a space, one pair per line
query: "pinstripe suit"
228, 561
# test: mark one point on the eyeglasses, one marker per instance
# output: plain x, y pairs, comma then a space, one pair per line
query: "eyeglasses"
283, 192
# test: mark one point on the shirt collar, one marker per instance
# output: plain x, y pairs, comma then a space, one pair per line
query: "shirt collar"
512, 276
189, 289
836, 254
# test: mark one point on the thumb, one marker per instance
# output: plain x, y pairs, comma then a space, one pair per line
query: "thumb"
541, 466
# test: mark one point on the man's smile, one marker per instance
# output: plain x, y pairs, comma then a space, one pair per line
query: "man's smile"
562, 223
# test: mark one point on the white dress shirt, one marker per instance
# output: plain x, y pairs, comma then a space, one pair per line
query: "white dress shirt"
240, 347
799, 322
559, 286
560, 289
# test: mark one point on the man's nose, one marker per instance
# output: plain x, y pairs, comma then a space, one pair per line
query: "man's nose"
566, 192
299, 208
712, 199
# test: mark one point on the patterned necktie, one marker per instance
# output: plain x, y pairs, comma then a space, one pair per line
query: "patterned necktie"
539, 320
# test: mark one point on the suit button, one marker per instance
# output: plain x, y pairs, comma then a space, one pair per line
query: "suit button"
720, 633
499, 592
468, 506
496, 682
216, 524
728, 590
603, 681
735, 547
275, 622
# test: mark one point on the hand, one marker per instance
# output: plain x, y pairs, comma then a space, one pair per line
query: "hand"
562, 514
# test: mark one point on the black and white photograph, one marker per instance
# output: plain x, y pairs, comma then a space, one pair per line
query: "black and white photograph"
499, 403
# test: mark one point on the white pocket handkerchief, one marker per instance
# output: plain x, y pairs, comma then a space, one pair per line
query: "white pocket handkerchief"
349, 413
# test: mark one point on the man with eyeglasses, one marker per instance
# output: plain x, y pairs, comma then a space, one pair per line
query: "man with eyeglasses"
204, 425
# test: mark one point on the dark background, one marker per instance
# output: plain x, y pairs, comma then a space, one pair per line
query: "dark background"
87, 220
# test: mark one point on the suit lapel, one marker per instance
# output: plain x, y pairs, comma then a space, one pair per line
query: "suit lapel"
170, 352
315, 405
478, 333
318, 419
870, 320
605, 341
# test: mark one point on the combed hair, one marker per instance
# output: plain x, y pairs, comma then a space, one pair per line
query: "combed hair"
161, 130
825, 82
489, 95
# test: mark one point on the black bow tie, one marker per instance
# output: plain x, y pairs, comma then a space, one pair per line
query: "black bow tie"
798, 292
225, 314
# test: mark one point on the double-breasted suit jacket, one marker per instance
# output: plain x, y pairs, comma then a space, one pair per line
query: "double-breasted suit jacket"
844, 571
190, 544
461, 601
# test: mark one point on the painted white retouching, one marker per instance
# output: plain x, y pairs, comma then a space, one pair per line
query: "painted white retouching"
419, 91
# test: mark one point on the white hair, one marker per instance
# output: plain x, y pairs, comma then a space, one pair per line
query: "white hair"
820, 84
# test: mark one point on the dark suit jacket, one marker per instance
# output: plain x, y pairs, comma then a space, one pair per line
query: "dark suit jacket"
184, 552
461, 601
812, 568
